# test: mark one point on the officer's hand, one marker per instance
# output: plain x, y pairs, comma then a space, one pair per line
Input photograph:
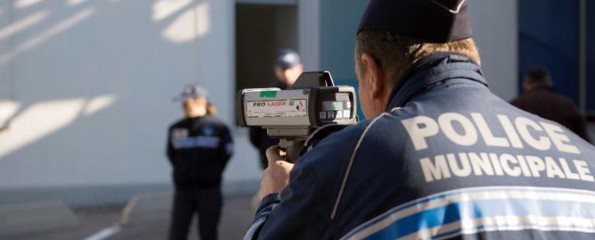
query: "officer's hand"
276, 176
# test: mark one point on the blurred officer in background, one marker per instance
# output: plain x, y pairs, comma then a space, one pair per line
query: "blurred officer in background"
439, 155
540, 99
198, 149
288, 68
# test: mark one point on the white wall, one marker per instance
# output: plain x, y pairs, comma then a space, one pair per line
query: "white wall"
496, 33
94, 81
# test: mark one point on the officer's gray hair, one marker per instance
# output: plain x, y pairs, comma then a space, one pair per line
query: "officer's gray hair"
394, 52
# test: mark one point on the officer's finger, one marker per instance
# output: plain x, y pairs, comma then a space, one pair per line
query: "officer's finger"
274, 154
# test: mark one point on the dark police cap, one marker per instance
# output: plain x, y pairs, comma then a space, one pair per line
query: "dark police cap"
191, 91
437, 21
287, 58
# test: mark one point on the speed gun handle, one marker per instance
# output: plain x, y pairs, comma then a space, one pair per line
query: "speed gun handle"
292, 148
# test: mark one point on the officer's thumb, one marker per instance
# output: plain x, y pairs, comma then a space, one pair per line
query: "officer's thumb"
274, 153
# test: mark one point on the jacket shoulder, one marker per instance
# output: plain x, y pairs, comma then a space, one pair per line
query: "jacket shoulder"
331, 142
383, 132
217, 122
177, 123
339, 146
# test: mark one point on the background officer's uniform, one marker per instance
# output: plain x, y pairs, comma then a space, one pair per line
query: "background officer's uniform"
448, 159
544, 102
198, 150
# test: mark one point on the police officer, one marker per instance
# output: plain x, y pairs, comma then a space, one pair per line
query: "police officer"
539, 92
198, 149
439, 155
288, 68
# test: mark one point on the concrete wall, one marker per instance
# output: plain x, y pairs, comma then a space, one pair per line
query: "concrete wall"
495, 31
339, 22
93, 81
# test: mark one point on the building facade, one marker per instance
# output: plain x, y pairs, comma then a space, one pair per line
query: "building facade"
86, 86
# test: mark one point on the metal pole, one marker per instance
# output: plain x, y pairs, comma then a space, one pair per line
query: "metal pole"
196, 68
583, 56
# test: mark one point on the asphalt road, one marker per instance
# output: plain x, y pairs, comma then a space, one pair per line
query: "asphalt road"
236, 218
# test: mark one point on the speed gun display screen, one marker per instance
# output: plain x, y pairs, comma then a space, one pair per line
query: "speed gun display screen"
332, 110
332, 105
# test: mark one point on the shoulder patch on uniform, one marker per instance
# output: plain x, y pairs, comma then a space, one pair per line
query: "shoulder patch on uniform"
178, 133
208, 130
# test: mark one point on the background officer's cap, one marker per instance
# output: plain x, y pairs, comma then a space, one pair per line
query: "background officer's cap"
436, 21
192, 91
287, 58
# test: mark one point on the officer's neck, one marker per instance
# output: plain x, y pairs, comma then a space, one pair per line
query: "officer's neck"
193, 115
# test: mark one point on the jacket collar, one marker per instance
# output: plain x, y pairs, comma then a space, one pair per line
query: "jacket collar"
431, 70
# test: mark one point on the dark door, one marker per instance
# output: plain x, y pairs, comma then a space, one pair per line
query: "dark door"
549, 37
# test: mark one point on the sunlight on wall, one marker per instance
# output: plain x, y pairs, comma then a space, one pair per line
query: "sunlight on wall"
47, 34
75, 2
27, 128
23, 24
7, 111
164, 8
191, 24
97, 104
26, 3
203, 20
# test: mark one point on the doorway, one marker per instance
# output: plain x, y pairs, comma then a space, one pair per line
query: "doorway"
262, 30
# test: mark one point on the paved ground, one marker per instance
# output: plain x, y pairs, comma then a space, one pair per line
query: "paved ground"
237, 215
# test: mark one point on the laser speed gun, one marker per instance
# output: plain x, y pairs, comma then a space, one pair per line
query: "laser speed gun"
292, 115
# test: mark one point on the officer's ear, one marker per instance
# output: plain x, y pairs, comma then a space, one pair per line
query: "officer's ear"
375, 76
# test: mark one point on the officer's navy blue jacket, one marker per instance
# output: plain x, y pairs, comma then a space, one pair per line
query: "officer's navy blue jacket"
448, 159
198, 150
